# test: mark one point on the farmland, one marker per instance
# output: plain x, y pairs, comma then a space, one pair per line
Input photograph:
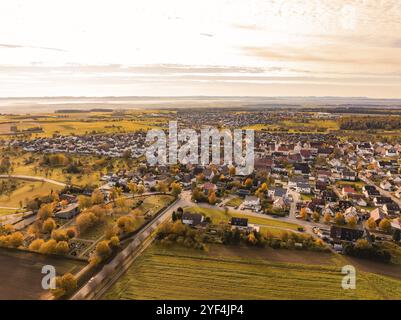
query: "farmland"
189, 274
27, 190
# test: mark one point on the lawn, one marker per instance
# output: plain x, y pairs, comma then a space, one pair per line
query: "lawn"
162, 273
152, 204
234, 202
218, 216
27, 190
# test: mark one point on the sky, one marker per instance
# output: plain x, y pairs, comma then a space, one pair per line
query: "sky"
204, 47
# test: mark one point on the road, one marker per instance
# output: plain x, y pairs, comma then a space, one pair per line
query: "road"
110, 273
32, 178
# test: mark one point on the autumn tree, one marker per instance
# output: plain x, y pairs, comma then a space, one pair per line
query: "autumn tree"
45, 211
97, 197
49, 225
248, 182
133, 187
175, 188
316, 216
371, 223
385, 225
84, 202
352, 221
62, 247
212, 197
327, 218
339, 218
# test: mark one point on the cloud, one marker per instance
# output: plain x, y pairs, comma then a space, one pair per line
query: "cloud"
17, 46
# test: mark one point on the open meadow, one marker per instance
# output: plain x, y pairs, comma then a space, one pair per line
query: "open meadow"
178, 273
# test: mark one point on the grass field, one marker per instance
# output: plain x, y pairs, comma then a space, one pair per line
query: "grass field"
162, 273
27, 190
218, 216
234, 202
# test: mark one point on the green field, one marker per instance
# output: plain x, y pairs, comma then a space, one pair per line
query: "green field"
234, 202
218, 216
189, 274
27, 190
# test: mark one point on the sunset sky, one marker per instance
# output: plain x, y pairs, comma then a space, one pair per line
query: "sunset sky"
204, 47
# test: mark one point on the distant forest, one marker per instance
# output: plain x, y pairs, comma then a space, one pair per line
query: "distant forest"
366, 123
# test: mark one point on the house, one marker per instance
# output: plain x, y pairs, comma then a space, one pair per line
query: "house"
370, 191
351, 212
303, 187
338, 233
243, 192
69, 212
239, 223
277, 193
251, 202
347, 191
391, 209
192, 219
396, 224
385, 185
329, 196
301, 168
328, 209
280, 204
377, 215
209, 187
348, 175
242, 225
379, 201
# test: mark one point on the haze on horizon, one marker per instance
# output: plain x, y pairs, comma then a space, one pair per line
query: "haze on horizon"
200, 48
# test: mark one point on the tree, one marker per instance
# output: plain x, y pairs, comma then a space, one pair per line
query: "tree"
36, 244
48, 246
97, 197
212, 197
316, 216
65, 285
197, 194
49, 225
162, 187
385, 225
339, 218
141, 189
126, 224
175, 188
62, 247
103, 249
133, 187
115, 242
371, 223
248, 182
84, 202
362, 244
115, 193
16, 239
327, 218
352, 222
303, 213
45, 211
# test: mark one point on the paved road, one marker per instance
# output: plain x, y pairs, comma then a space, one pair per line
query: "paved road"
32, 178
110, 273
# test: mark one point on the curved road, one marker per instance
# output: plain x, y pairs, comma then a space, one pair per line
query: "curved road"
32, 178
